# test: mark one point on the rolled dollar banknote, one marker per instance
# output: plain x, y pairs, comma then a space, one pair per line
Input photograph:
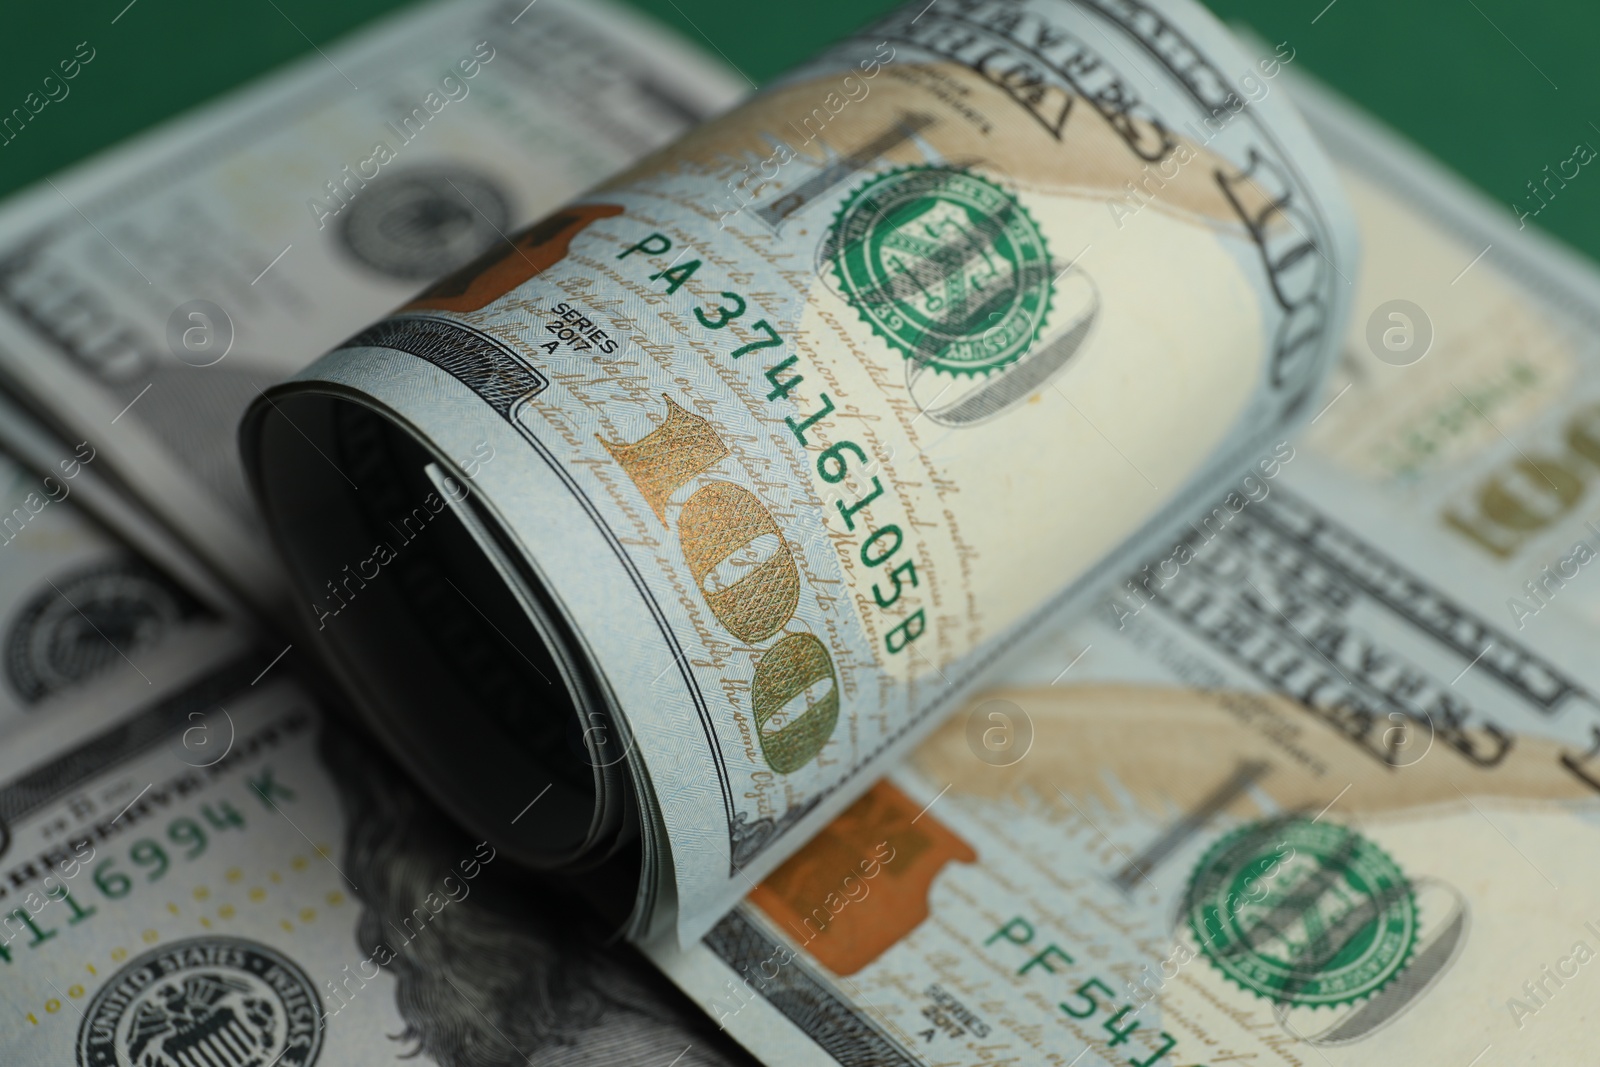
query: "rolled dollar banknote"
651, 537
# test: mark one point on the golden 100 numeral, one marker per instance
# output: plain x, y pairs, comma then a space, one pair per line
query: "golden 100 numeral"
1525, 496
719, 519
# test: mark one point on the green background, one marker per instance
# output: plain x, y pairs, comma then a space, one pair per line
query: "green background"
1497, 89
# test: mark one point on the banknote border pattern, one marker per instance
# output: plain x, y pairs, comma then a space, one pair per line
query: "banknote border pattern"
49, 781
1412, 601
848, 1036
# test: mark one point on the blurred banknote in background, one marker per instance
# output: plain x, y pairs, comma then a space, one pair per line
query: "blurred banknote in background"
148, 296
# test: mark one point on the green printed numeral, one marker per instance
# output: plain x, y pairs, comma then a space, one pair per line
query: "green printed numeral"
773, 339
1088, 998
79, 912
222, 816
1168, 1041
114, 884
1119, 1034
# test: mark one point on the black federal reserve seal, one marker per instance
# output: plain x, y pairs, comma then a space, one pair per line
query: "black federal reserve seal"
75, 627
212, 1001
419, 224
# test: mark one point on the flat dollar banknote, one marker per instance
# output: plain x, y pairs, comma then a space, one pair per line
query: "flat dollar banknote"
1466, 408
218, 872
1159, 878
1288, 797
148, 296
677, 516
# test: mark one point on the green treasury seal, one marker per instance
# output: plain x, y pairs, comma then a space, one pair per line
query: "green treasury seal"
946, 266
1302, 913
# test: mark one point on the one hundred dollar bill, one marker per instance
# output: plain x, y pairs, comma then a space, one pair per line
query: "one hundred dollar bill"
217, 870
147, 296
676, 517
1172, 876
1296, 794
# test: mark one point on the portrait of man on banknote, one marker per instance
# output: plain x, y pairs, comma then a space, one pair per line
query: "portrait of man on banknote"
486, 979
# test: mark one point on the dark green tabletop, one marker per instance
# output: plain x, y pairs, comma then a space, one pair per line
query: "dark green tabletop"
1495, 88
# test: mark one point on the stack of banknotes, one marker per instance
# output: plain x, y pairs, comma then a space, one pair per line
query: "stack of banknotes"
1040, 537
